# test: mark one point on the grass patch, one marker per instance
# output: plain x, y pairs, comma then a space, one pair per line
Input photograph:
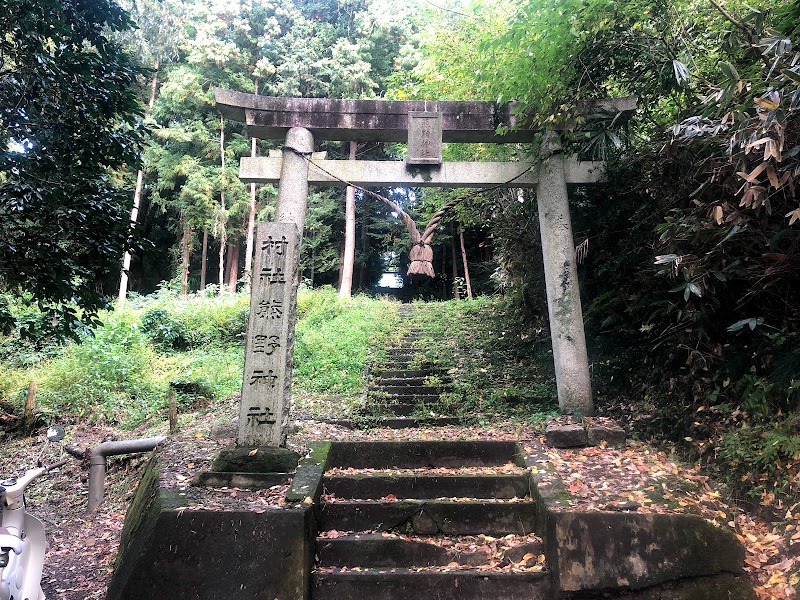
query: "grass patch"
499, 367
121, 371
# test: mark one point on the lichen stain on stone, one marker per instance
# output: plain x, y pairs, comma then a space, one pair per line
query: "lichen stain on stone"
565, 277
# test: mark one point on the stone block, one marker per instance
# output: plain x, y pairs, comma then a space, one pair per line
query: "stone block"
265, 459
571, 435
169, 552
606, 430
657, 556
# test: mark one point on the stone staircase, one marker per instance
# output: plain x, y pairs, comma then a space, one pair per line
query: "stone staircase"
393, 516
404, 388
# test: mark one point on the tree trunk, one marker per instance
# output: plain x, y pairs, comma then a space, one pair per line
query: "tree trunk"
228, 257
311, 278
251, 218
362, 271
464, 260
341, 270
223, 236
185, 245
456, 291
346, 287
233, 271
137, 195
204, 261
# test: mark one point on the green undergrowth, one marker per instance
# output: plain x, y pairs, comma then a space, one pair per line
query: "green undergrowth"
499, 366
121, 372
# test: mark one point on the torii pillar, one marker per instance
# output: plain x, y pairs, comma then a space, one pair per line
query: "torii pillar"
561, 280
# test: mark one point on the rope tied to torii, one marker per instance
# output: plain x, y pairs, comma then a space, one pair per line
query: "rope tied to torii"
421, 253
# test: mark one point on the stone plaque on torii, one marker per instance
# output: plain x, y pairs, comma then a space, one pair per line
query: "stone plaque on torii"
264, 414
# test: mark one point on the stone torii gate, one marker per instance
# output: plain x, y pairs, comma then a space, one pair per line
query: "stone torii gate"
264, 410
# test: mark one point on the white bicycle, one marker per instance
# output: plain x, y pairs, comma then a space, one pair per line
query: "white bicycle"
22, 537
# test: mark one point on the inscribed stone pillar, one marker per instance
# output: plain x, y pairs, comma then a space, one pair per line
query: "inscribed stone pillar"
561, 279
269, 350
264, 409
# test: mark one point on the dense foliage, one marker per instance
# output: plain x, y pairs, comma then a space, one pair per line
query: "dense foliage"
68, 133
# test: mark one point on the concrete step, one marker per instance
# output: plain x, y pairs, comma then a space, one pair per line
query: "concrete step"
373, 550
407, 584
423, 454
430, 517
499, 486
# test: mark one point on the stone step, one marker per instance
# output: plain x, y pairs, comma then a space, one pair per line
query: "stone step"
412, 422
407, 351
373, 550
407, 390
403, 362
381, 398
407, 584
392, 373
395, 422
423, 454
430, 517
398, 409
499, 486
406, 381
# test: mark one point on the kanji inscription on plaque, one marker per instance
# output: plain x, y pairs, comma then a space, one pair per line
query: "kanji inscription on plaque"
424, 138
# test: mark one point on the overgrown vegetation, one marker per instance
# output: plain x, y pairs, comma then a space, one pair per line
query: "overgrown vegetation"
500, 365
121, 372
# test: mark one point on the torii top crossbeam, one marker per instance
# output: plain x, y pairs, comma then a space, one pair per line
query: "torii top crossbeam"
270, 118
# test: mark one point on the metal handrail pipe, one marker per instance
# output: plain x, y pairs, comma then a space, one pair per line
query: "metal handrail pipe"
98, 463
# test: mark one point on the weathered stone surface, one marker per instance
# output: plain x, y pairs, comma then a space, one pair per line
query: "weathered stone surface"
168, 553
725, 586
266, 459
413, 454
561, 280
406, 584
501, 486
372, 173
566, 436
597, 550
430, 516
307, 481
589, 551
424, 138
379, 120
267, 382
605, 430
245, 481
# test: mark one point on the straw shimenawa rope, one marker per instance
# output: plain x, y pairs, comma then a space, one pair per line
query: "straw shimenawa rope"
421, 254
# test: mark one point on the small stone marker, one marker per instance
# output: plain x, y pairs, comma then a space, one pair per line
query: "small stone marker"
565, 432
606, 430
424, 138
264, 409
562, 432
